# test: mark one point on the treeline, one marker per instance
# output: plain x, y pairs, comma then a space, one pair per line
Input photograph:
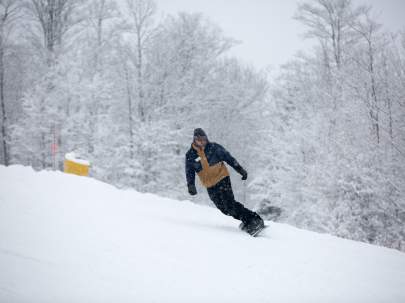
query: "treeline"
124, 89
324, 139
339, 165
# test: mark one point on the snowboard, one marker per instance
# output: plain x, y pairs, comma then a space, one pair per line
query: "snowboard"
254, 233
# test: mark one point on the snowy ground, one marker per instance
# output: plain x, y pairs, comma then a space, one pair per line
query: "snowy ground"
65, 238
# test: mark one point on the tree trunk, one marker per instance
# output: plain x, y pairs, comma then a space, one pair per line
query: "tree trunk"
3, 108
130, 116
374, 98
139, 67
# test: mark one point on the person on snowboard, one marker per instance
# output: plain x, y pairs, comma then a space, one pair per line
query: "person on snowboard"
207, 160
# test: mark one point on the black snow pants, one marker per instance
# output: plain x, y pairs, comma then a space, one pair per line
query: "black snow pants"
222, 196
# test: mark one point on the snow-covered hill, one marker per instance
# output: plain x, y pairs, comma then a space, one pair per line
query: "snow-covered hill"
65, 238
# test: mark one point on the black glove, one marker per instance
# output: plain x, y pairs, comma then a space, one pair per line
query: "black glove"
243, 173
192, 190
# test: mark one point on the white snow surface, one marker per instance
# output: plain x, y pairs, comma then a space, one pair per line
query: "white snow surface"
65, 238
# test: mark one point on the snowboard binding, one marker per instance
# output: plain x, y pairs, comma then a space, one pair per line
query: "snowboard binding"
253, 228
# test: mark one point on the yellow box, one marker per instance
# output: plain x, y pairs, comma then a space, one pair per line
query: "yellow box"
71, 167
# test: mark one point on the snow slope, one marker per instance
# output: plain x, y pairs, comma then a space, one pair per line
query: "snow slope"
65, 238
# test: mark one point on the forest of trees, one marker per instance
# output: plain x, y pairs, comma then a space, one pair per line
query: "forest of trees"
323, 137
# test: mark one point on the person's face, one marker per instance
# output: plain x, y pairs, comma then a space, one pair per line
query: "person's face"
200, 141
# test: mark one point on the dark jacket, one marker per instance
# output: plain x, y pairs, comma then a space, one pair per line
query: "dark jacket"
215, 171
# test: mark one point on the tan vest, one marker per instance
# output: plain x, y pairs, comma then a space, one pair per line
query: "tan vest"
210, 175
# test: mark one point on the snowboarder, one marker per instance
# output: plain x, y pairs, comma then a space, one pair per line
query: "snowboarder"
207, 160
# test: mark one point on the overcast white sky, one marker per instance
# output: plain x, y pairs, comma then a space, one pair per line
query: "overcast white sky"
268, 33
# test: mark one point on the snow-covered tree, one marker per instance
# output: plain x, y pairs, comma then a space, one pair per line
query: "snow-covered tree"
8, 18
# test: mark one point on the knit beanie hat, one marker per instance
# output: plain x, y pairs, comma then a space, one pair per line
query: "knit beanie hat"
199, 132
